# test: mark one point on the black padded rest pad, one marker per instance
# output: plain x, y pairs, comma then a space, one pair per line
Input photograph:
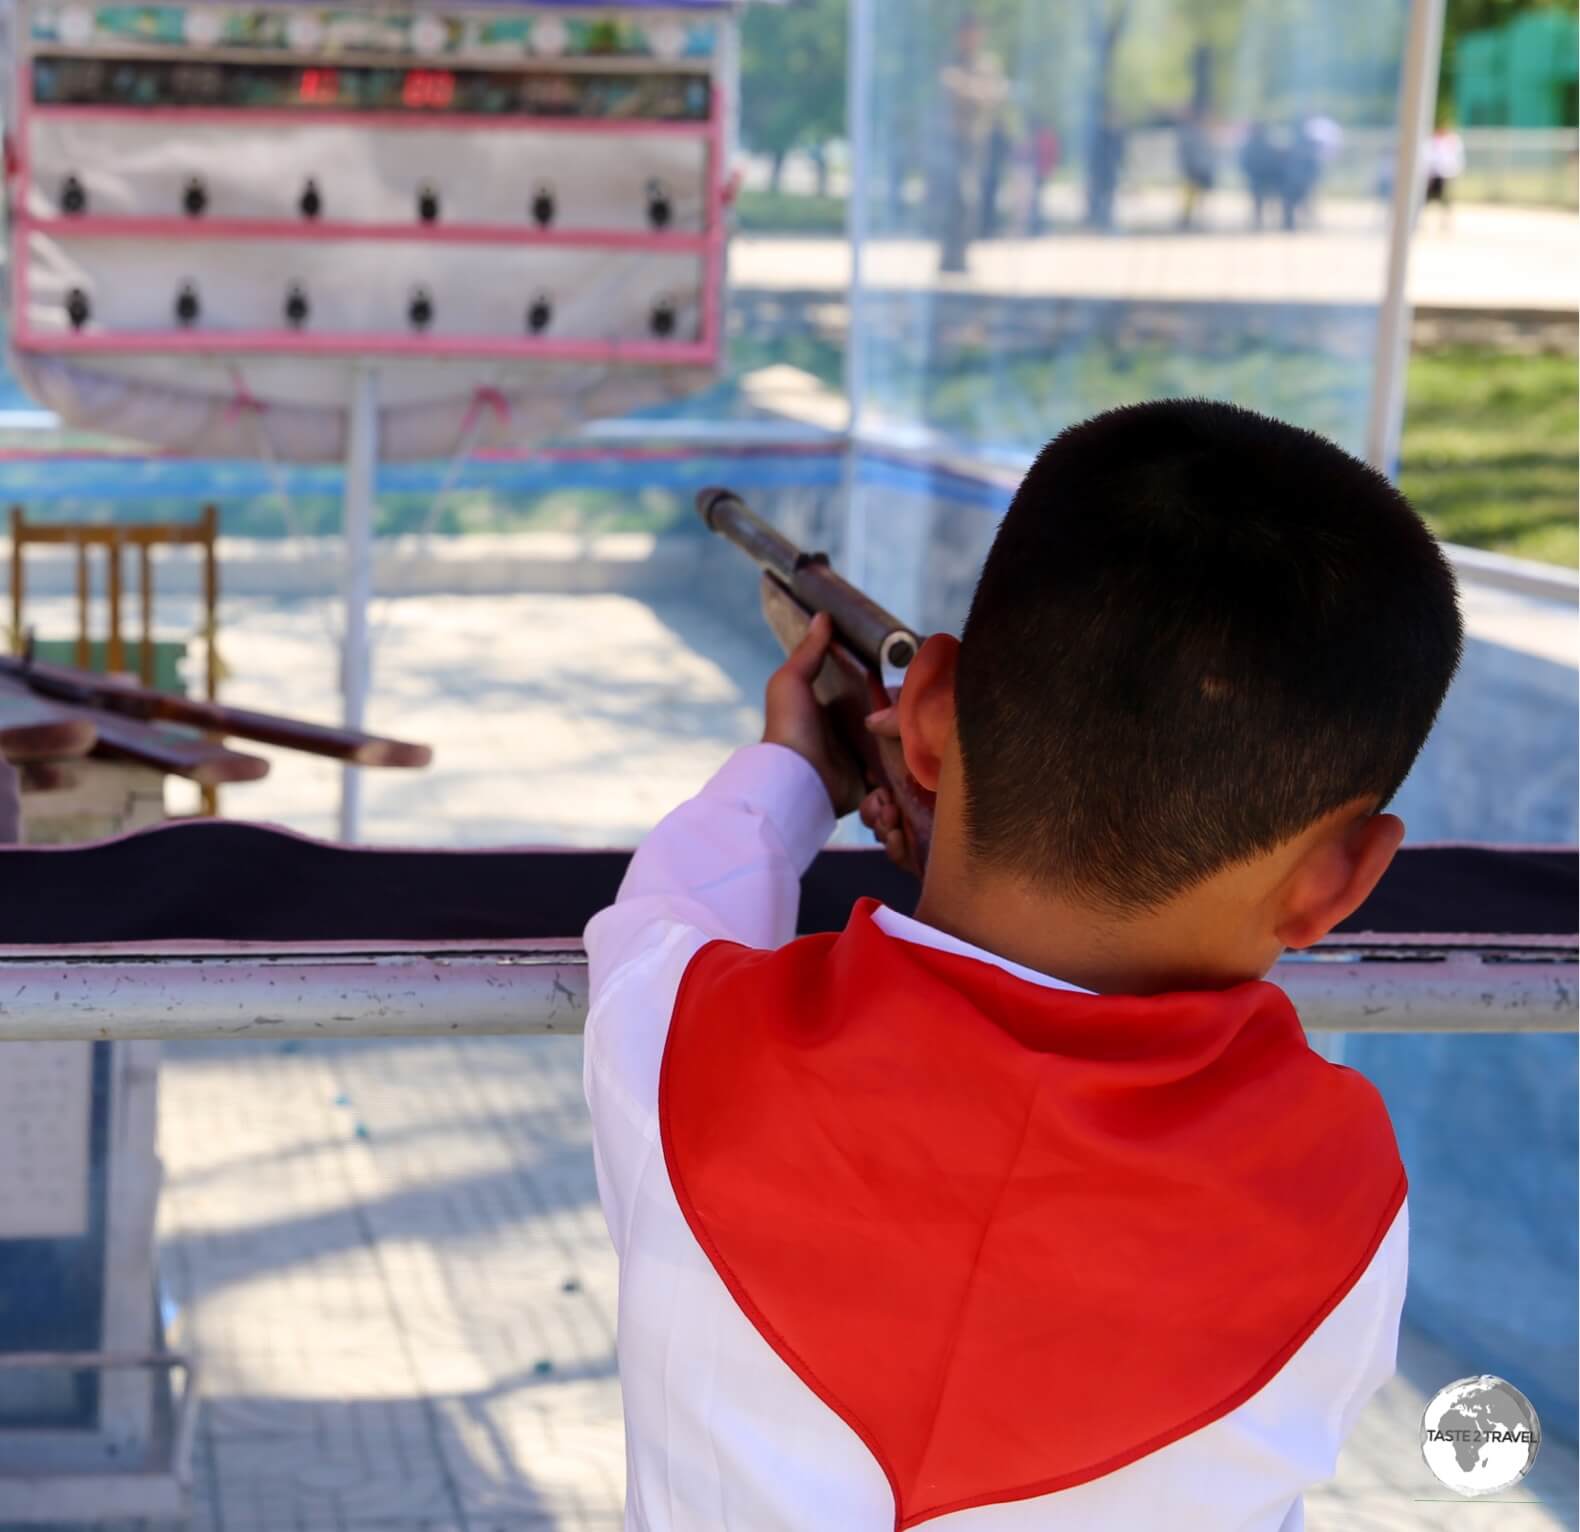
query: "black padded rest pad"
219, 880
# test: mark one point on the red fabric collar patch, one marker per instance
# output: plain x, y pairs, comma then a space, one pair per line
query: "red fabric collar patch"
954, 1201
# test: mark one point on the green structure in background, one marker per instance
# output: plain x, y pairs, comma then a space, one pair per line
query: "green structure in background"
1519, 75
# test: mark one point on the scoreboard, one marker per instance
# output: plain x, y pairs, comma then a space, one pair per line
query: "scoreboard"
242, 200
150, 83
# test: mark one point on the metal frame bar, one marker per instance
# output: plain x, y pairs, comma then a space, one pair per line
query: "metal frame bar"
303, 231
102, 1361
159, 1488
350, 990
354, 344
303, 116
1417, 97
360, 505
130, 1431
861, 45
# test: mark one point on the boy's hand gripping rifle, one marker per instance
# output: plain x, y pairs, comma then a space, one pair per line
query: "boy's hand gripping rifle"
866, 661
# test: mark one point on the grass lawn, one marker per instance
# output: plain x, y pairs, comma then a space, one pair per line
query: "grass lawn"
766, 212
1489, 450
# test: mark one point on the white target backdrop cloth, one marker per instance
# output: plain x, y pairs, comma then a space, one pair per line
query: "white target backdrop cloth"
224, 209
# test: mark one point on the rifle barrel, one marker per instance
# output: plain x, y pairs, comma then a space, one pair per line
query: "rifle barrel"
878, 636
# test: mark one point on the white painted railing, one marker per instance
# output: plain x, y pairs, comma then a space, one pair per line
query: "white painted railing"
540, 987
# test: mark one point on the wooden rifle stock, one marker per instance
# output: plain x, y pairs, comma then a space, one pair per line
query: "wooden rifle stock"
870, 650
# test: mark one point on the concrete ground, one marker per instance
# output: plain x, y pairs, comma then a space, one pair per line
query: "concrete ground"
389, 1256
1482, 257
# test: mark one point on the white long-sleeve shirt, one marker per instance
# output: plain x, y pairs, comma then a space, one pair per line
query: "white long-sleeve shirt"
720, 1432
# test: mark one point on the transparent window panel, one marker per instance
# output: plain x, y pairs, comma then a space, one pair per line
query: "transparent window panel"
1072, 207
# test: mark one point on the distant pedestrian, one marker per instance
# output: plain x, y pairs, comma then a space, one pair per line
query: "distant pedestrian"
1301, 170
995, 158
1262, 163
975, 89
1042, 159
1105, 159
1445, 163
1198, 167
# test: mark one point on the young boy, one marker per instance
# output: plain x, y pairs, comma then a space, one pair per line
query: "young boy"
1034, 1212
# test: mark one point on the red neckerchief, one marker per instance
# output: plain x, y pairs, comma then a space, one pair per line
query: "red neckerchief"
1016, 1237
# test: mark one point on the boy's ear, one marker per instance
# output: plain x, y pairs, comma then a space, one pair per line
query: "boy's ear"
927, 708
1336, 877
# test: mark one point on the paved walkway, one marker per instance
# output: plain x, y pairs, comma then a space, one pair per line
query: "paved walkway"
389, 1256
1485, 258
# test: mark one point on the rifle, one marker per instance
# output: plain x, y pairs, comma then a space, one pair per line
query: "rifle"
865, 662
32, 729
144, 705
205, 761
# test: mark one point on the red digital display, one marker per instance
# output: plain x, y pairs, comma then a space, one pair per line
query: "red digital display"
231, 87
428, 89
319, 87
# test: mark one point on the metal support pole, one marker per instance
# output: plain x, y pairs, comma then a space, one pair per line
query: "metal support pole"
858, 197
1417, 98
356, 658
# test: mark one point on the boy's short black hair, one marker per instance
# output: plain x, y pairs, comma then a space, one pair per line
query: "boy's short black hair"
1197, 631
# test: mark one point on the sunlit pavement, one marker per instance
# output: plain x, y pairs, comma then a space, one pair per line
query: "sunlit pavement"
388, 1256
1481, 257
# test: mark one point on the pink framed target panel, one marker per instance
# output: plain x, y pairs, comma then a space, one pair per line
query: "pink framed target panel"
206, 198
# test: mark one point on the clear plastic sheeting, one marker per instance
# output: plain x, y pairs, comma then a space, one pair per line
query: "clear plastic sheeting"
1072, 207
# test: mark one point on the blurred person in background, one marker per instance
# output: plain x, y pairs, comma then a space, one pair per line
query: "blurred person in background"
1197, 164
1041, 151
1300, 173
975, 92
996, 157
1197, 156
1445, 163
1105, 158
1262, 164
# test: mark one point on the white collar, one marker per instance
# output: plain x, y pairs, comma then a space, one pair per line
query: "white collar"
892, 923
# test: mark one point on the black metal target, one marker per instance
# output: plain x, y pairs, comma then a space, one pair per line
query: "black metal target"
78, 308
73, 196
540, 313
420, 310
297, 307
188, 308
195, 198
662, 320
427, 204
312, 202
544, 205
660, 206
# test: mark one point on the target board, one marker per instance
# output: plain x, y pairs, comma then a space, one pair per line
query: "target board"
217, 211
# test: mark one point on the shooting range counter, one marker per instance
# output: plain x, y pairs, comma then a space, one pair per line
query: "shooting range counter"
96, 1412
211, 929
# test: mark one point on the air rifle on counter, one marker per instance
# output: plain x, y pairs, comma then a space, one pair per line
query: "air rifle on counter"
865, 664
53, 710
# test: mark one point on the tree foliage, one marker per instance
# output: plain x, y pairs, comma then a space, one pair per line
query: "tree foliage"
793, 75
1269, 57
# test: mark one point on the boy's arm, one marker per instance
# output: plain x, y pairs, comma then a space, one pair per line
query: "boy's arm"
727, 865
